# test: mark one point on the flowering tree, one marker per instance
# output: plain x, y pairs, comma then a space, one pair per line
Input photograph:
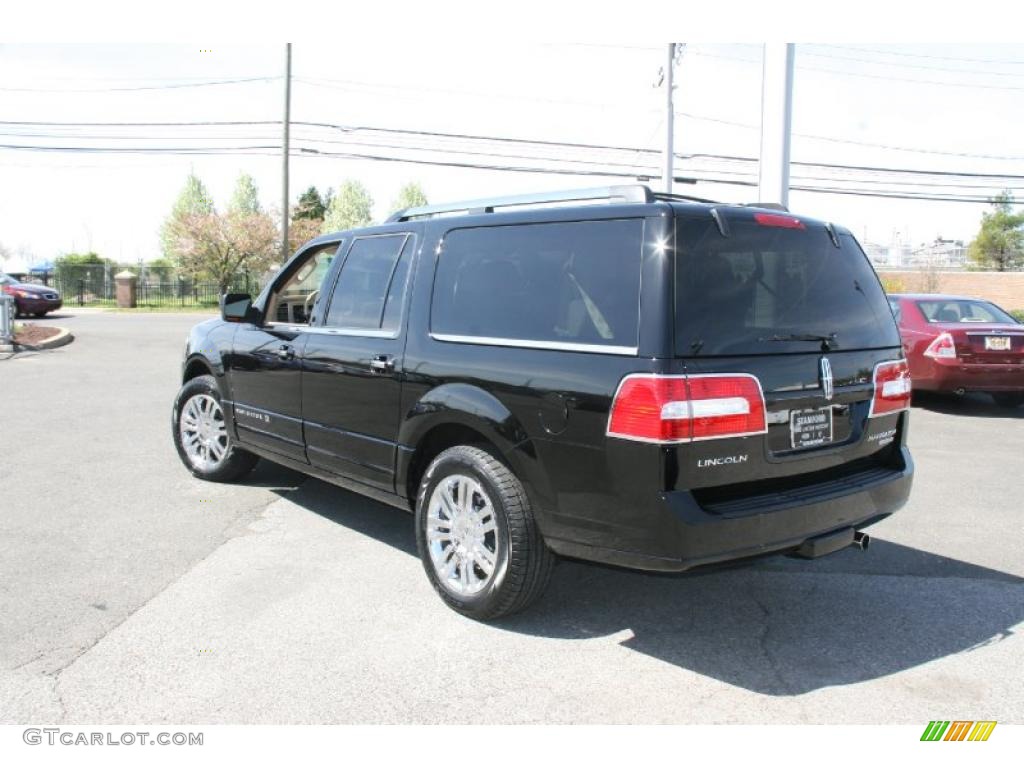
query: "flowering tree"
220, 245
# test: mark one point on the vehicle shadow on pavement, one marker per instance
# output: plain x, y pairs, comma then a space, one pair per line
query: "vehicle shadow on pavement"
776, 626
971, 404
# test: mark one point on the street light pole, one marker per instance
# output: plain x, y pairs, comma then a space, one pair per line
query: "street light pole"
285, 145
669, 117
776, 123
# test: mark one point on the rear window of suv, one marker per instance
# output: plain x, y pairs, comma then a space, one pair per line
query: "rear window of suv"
753, 291
559, 283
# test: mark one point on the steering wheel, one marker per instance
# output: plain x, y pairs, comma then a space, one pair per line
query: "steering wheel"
309, 300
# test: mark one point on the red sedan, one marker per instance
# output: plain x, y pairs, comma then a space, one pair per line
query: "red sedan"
959, 344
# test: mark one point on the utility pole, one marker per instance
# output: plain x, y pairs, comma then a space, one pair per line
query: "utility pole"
284, 157
776, 123
670, 63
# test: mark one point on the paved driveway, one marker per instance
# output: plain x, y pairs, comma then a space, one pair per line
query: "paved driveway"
133, 593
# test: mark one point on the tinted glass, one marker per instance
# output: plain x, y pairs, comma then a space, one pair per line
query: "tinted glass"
396, 291
894, 305
735, 293
575, 282
362, 286
963, 311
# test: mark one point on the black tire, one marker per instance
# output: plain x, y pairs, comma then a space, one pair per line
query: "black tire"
523, 561
236, 462
1008, 399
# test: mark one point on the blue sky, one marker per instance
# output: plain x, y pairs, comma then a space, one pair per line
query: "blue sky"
928, 107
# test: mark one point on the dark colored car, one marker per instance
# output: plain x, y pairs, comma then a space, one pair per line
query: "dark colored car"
613, 375
30, 298
958, 344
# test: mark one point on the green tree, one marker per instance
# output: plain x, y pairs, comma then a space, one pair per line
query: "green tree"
409, 196
246, 198
351, 207
194, 199
999, 244
311, 205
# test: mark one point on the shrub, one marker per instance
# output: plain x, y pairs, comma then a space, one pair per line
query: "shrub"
892, 284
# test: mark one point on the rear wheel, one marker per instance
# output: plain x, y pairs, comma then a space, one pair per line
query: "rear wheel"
477, 536
201, 436
1008, 399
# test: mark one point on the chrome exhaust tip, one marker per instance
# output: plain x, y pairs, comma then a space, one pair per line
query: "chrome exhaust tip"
861, 540
960, 392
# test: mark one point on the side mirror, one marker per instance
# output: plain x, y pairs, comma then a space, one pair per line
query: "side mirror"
236, 307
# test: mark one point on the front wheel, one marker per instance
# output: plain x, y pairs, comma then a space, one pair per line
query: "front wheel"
477, 536
1009, 399
201, 435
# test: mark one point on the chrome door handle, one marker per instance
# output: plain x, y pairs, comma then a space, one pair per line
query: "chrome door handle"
382, 364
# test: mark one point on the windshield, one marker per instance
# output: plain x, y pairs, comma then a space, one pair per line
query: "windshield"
963, 311
769, 289
7, 279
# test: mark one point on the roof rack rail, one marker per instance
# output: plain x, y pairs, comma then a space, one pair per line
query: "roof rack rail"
670, 196
769, 206
626, 193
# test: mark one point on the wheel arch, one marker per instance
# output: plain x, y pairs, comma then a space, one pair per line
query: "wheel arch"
463, 414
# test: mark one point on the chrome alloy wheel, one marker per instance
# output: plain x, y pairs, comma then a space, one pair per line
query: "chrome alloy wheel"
462, 535
203, 434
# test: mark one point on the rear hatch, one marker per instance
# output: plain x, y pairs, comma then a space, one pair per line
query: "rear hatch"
795, 304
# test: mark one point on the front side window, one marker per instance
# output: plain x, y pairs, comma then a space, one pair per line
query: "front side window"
566, 282
369, 276
293, 302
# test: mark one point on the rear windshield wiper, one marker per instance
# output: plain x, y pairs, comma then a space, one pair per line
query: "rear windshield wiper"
827, 342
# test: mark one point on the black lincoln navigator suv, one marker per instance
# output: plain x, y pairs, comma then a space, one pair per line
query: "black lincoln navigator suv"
615, 375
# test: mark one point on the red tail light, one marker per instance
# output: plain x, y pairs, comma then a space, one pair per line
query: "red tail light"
678, 409
9, 290
892, 388
778, 220
941, 348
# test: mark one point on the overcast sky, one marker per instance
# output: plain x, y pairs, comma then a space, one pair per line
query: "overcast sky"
929, 107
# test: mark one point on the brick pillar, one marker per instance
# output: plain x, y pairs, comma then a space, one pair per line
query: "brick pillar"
126, 288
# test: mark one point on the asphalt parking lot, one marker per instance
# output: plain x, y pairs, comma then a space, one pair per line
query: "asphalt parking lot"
131, 592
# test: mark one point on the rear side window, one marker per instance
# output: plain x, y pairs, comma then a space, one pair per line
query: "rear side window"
566, 282
755, 290
365, 282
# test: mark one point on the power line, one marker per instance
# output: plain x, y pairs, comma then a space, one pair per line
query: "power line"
887, 78
855, 142
926, 56
930, 67
532, 143
141, 87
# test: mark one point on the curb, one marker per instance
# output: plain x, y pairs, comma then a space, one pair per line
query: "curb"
62, 338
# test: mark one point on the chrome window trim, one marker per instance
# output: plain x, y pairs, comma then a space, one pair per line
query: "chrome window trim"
561, 346
606, 349
369, 333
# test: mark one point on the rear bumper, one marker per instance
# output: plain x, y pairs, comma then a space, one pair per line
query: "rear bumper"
973, 377
702, 537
